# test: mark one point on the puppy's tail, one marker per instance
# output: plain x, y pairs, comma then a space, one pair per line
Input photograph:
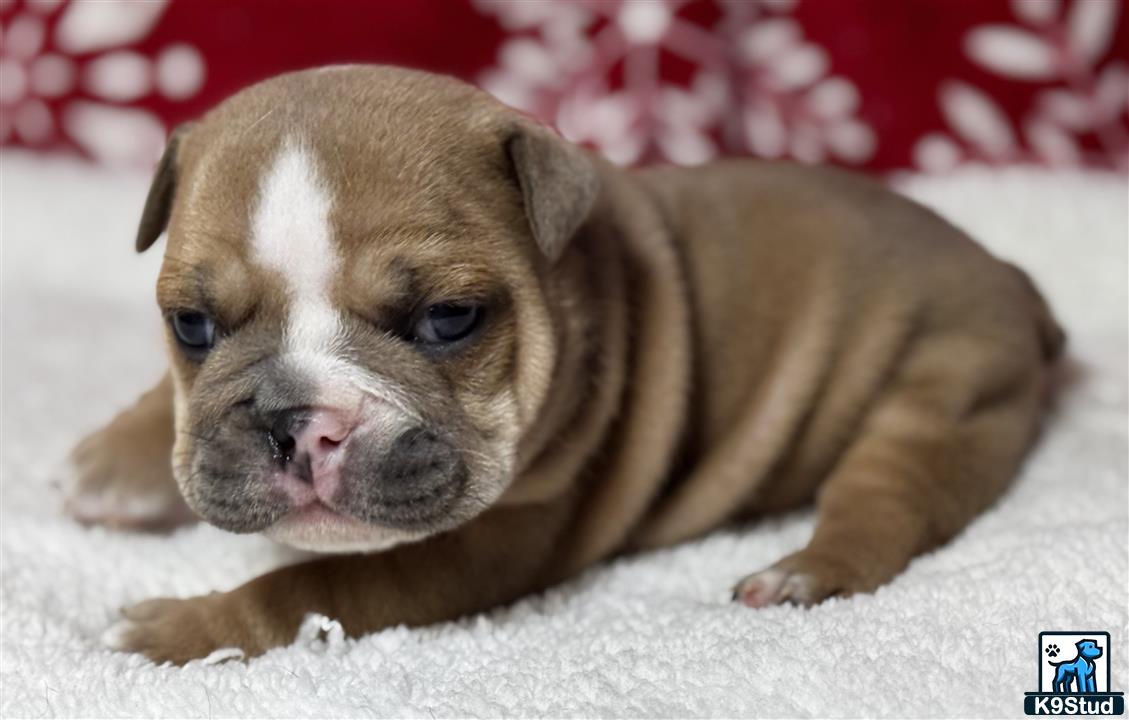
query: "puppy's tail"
1052, 338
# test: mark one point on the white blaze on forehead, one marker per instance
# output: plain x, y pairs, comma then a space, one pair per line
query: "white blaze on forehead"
291, 235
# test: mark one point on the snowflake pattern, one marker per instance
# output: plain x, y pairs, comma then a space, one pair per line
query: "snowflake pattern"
1053, 45
593, 69
66, 69
640, 80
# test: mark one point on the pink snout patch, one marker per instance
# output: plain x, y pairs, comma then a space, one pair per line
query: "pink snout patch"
314, 471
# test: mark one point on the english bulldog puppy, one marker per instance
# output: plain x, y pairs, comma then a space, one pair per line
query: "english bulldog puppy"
416, 332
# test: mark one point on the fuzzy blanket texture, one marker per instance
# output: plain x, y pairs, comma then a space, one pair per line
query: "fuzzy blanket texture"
653, 635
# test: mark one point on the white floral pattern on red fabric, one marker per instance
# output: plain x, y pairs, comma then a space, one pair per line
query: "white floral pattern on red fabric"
1054, 44
755, 85
77, 81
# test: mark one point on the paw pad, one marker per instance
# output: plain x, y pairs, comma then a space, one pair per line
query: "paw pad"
1052, 650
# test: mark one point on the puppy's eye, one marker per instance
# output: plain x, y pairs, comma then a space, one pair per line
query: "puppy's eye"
447, 323
195, 332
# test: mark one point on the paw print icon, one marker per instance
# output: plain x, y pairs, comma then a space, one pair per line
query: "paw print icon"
1052, 650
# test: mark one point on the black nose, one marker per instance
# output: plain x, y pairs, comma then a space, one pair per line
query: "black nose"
282, 426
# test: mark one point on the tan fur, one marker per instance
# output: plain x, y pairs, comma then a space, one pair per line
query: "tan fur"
121, 474
712, 344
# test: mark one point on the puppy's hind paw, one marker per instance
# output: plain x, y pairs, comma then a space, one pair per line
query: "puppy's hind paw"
775, 586
117, 636
804, 578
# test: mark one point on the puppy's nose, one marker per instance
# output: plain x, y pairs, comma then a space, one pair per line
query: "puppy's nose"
308, 441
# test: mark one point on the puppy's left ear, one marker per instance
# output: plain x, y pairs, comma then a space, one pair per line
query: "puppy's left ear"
558, 183
158, 204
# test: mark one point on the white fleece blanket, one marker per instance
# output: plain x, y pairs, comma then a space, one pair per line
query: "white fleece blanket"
654, 635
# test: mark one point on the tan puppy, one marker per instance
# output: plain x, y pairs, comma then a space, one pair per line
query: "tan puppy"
409, 326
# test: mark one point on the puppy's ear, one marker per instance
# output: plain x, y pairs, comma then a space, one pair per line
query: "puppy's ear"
158, 204
558, 183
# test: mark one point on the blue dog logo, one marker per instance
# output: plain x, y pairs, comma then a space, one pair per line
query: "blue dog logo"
1078, 672
1079, 685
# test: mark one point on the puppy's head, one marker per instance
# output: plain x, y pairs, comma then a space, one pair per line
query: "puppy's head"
355, 292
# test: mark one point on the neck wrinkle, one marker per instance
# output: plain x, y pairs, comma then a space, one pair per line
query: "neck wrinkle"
630, 468
588, 377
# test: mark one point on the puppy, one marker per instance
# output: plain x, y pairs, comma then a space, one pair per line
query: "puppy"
414, 330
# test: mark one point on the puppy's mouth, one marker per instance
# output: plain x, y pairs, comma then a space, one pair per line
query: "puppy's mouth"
425, 509
411, 484
316, 511
317, 527
333, 481
318, 514
334, 505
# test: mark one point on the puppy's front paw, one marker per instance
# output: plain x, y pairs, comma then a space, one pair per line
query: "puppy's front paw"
803, 578
120, 477
179, 630
102, 495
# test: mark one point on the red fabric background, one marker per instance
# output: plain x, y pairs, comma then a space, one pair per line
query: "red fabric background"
897, 53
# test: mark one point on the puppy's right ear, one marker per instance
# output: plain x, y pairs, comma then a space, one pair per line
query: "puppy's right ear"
158, 204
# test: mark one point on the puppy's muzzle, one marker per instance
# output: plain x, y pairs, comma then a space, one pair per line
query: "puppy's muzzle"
327, 455
415, 482
418, 466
